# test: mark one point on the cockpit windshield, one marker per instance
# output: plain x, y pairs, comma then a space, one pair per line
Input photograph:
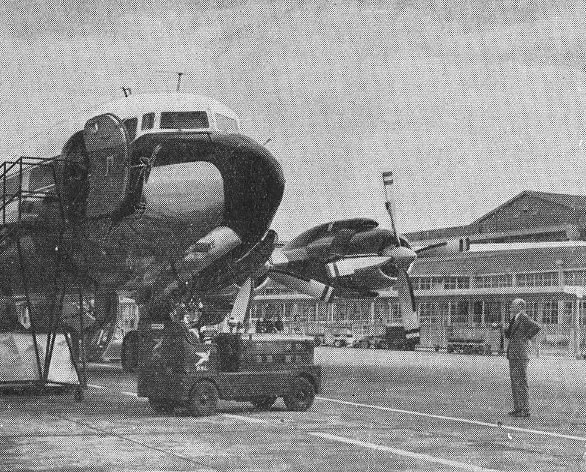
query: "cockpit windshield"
184, 120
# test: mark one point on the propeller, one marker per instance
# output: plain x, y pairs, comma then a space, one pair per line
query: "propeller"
311, 287
403, 256
408, 307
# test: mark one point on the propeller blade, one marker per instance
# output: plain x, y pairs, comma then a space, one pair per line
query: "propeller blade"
419, 250
408, 307
240, 313
310, 287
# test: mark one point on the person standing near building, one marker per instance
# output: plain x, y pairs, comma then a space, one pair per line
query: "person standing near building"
520, 330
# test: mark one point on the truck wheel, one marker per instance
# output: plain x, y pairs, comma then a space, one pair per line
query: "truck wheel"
301, 396
161, 406
264, 402
203, 399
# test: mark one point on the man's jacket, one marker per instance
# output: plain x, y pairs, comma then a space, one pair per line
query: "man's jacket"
519, 334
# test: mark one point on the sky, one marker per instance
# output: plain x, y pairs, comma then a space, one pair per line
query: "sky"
468, 102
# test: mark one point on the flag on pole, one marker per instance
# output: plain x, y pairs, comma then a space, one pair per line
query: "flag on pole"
388, 178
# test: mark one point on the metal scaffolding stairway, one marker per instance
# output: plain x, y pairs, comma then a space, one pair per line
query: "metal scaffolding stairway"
16, 195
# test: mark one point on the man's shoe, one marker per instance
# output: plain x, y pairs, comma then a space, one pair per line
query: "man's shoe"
513, 413
521, 414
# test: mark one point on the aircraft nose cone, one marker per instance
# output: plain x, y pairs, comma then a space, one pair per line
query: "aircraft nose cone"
254, 186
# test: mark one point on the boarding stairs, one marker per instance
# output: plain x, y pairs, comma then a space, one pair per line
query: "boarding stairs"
18, 196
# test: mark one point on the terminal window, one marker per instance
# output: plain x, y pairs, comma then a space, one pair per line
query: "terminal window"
494, 281
477, 312
532, 309
542, 279
429, 313
459, 311
550, 312
575, 277
456, 282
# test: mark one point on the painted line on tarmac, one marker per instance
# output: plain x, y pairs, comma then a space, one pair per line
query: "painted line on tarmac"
135, 395
248, 419
109, 432
402, 452
129, 394
458, 420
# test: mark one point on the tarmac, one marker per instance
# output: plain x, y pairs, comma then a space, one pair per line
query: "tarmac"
378, 411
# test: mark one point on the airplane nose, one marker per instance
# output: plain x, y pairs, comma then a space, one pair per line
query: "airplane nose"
221, 180
253, 188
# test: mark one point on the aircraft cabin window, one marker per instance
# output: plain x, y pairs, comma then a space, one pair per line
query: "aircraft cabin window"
130, 124
148, 121
184, 120
226, 123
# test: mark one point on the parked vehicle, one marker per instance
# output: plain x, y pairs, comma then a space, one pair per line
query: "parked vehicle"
177, 370
372, 342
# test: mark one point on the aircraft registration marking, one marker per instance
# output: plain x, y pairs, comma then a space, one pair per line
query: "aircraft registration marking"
458, 420
402, 452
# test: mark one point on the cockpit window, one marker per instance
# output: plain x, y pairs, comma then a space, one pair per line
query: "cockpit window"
130, 124
148, 121
226, 123
184, 120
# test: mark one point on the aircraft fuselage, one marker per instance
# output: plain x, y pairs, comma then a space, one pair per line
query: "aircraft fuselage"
128, 213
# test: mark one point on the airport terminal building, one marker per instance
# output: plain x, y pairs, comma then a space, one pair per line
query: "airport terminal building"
532, 246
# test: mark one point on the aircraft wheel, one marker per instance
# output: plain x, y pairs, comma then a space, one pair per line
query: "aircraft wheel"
161, 406
263, 402
203, 399
301, 396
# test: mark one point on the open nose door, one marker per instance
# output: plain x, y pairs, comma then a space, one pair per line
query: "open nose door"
108, 148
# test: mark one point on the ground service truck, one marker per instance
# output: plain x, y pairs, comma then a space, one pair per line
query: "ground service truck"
177, 370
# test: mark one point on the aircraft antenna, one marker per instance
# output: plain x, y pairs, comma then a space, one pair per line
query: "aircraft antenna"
179, 74
126, 91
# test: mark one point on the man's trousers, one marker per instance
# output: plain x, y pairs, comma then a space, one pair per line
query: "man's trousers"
518, 370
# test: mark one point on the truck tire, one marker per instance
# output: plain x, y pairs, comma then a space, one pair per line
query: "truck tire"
129, 354
301, 396
203, 399
161, 406
263, 402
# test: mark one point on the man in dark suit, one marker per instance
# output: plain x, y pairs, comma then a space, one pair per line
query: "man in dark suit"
520, 330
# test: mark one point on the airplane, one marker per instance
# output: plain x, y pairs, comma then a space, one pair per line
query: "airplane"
162, 196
